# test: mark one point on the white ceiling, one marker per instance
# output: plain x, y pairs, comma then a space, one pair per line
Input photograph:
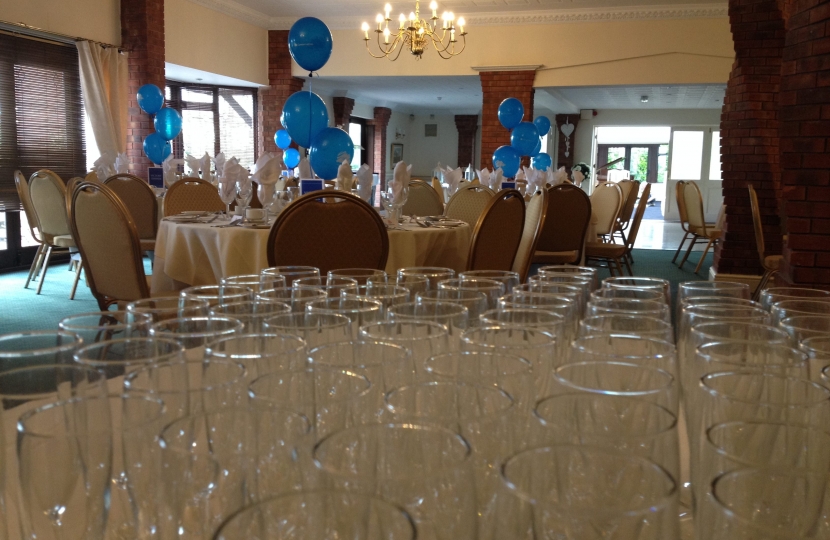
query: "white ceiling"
571, 99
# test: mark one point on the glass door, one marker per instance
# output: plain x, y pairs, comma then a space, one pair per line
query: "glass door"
695, 156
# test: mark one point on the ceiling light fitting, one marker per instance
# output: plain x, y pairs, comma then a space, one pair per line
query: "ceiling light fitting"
643, 99
415, 33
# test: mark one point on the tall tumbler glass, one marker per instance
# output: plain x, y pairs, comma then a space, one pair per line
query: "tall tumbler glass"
536, 319
626, 324
583, 271
561, 305
492, 289
422, 338
566, 290
24, 349
801, 327
107, 325
475, 302
298, 299
642, 283
777, 294
333, 286
692, 315
314, 328
251, 314
584, 492
260, 353
455, 317
628, 306
170, 307
433, 274
360, 312
195, 333
427, 470
121, 356
413, 283
508, 278
386, 365
625, 348
387, 295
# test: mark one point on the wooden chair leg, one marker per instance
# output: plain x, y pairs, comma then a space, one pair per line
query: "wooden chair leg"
676, 253
705, 251
45, 268
35, 266
628, 266
688, 251
78, 267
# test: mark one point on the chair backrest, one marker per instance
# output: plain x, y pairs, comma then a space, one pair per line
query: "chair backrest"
606, 203
694, 206
329, 231
468, 203
498, 233
47, 192
70, 189
192, 194
566, 221
92, 176
638, 218
757, 223
22, 186
535, 214
681, 204
108, 241
630, 190
422, 200
140, 200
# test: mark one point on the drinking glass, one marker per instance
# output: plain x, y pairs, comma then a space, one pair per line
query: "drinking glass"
584, 271
578, 492
332, 399
559, 304
433, 274
227, 194
422, 338
425, 469
333, 286
801, 327
170, 307
290, 273
298, 299
629, 306
652, 284
219, 294
628, 292
475, 302
256, 282
692, 315
107, 325
455, 317
818, 351
530, 318
507, 278
21, 349
314, 328
773, 295
413, 282
387, 295
789, 308
244, 194
626, 324
689, 289
585, 283
194, 333
318, 515
386, 365
121, 356
361, 275
250, 314
64, 451
565, 290
492, 289
267, 195
360, 312
260, 353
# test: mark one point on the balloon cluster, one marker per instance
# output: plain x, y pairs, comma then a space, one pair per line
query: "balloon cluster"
167, 122
525, 139
304, 115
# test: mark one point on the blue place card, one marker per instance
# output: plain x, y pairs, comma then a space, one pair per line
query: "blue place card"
508, 185
307, 186
156, 176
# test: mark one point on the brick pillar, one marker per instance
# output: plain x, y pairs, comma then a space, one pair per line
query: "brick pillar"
467, 125
343, 107
381, 121
561, 159
142, 35
749, 135
496, 87
271, 99
805, 143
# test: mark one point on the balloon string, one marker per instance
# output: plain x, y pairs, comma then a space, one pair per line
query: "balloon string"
310, 114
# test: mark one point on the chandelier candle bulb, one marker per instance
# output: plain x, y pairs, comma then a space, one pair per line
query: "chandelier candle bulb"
461, 23
434, 7
379, 20
402, 19
386, 35
387, 8
365, 29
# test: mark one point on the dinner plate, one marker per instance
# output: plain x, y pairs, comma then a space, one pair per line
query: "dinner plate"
193, 213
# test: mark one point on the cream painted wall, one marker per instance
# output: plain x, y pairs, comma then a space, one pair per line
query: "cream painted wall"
424, 153
201, 38
99, 20
669, 51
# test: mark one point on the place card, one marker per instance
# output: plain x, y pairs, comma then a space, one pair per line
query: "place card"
508, 185
156, 176
307, 186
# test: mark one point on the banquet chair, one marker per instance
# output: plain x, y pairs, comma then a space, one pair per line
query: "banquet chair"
192, 194
92, 176
606, 203
422, 200
770, 263
562, 236
468, 203
630, 191
140, 199
109, 244
329, 231
48, 195
619, 254
498, 233
535, 215
700, 230
22, 186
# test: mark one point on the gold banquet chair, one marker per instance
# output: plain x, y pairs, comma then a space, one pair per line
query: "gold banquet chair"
109, 244
630, 190
770, 263
535, 215
422, 200
498, 233
22, 186
329, 231
617, 254
468, 203
562, 236
190, 194
140, 200
606, 204
700, 230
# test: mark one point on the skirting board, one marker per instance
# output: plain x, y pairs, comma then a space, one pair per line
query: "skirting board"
752, 281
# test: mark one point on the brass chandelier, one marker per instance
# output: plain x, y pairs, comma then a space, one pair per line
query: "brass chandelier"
416, 34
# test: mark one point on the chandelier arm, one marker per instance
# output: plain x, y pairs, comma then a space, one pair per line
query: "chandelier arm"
400, 50
388, 49
370, 51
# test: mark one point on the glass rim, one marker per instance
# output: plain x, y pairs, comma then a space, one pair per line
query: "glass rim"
502, 273
627, 317
616, 281
628, 365
507, 409
799, 357
524, 362
324, 281
547, 313
23, 418
692, 301
672, 424
210, 353
806, 383
711, 285
264, 302
89, 370
426, 271
363, 331
77, 342
178, 350
130, 377
336, 320
163, 299
472, 294
465, 335
278, 270
699, 329
566, 269
721, 451
795, 319
360, 305
351, 345
555, 276
451, 306
62, 324
310, 371
197, 291
231, 325
579, 345
357, 271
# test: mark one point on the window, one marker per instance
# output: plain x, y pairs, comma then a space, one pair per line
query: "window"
215, 119
687, 155
714, 158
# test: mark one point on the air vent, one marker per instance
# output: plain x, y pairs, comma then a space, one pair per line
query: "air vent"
430, 130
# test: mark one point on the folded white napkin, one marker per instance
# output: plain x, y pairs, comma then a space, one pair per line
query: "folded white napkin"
219, 164
452, 178
227, 181
344, 176
496, 179
536, 180
400, 180
170, 167
305, 168
484, 176
267, 169
122, 163
193, 164
204, 166
522, 174
104, 166
558, 177
364, 182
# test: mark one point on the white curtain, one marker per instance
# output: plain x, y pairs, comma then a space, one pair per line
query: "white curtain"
104, 83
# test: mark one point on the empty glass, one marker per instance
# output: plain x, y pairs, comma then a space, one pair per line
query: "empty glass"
422, 338
492, 289
23, 349
584, 271
626, 324
219, 294
386, 365
290, 273
535, 319
170, 307
689, 289
564, 290
625, 348
194, 333
818, 351
121, 356
454, 316
260, 353
298, 299
361, 275
360, 312
789, 308
256, 282
629, 292
507, 278
802, 327
107, 325
414, 282
629, 306
475, 302
387, 295
314, 328
777, 294
433, 274
333, 286
538, 283
250, 314
628, 283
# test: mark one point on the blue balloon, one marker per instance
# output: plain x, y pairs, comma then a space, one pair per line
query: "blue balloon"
282, 139
537, 148
330, 147
541, 162
542, 123
509, 159
157, 148
168, 123
525, 138
511, 112
150, 98
291, 157
304, 115
310, 43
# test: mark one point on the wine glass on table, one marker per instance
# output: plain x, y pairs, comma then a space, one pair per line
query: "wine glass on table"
227, 193
244, 194
267, 194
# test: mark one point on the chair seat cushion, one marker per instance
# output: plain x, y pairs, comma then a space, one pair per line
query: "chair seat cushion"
773, 262
555, 257
63, 240
710, 232
601, 249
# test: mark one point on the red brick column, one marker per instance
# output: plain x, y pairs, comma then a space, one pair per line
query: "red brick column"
343, 107
271, 99
561, 159
142, 35
467, 125
749, 135
496, 87
805, 142
381, 121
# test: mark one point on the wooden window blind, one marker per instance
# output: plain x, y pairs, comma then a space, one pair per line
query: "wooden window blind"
41, 113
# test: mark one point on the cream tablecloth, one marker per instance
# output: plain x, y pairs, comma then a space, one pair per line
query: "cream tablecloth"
200, 254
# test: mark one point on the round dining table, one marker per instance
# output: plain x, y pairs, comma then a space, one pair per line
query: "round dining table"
202, 253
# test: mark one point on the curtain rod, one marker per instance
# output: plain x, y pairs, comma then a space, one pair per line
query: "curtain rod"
27, 30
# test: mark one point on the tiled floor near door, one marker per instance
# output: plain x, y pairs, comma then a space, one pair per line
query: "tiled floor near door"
665, 235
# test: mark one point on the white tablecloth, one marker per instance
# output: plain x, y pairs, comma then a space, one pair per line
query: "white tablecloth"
200, 254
